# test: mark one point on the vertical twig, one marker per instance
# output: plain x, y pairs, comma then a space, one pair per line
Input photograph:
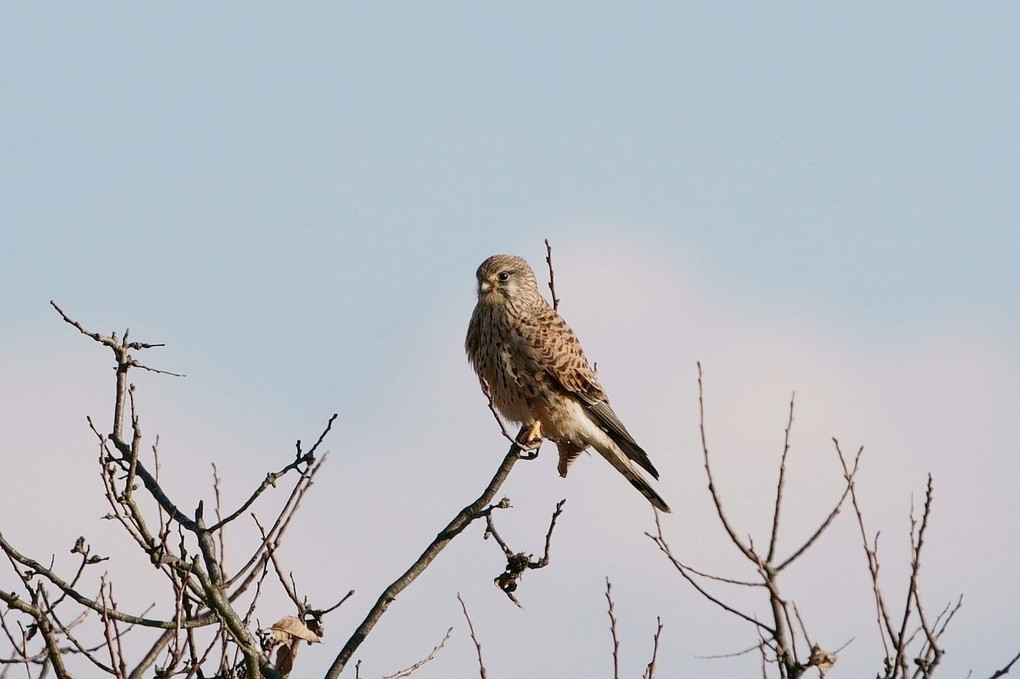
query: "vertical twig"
220, 537
716, 498
612, 630
650, 670
931, 655
782, 482
474, 638
885, 627
552, 276
111, 632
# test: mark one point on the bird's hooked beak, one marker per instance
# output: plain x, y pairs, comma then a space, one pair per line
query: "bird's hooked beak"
483, 287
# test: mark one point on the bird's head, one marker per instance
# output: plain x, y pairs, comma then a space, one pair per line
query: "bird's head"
506, 277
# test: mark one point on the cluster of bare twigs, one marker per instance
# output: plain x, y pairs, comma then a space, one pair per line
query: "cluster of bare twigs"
214, 608
650, 668
552, 276
517, 562
781, 642
911, 648
210, 629
474, 638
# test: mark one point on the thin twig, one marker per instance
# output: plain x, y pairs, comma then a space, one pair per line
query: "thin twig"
90, 603
273, 477
461, 521
552, 276
66, 631
779, 486
287, 585
716, 498
1005, 670
933, 653
817, 534
324, 611
219, 532
110, 630
664, 547
734, 654
499, 420
612, 630
432, 654
517, 562
710, 576
474, 638
276, 531
650, 669
885, 627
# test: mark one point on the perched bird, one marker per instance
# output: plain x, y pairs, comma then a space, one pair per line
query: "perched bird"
533, 368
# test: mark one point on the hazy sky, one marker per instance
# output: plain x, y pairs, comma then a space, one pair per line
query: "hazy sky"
294, 199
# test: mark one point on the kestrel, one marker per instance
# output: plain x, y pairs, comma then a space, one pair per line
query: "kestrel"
533, 368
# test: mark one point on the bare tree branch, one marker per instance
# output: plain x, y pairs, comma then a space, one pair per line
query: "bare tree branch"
462, 520
781, 642
271, 478
660, 541
428, 658
612, 627
716, 498
199, 580
34, 565
518, 562
474, 638
499, 420
1006, 669
650, 669
779, 486
214, 630
552, 276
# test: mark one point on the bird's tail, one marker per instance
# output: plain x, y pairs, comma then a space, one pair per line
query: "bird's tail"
625, 466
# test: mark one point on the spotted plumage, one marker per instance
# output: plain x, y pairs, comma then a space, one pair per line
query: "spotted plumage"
536, 373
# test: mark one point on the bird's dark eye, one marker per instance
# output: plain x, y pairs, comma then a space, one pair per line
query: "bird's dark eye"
503, 276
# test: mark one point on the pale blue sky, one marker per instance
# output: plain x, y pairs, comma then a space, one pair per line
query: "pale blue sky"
295, 198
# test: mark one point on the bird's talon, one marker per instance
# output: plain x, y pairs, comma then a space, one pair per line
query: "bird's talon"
530, 437
528, 444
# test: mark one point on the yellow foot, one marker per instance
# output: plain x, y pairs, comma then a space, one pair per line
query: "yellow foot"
530, 437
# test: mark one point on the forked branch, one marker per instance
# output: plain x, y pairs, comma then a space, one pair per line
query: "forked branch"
462, 520
187, 551
781, 641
